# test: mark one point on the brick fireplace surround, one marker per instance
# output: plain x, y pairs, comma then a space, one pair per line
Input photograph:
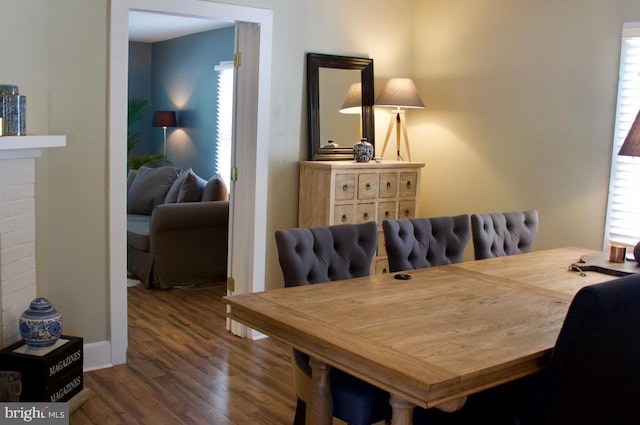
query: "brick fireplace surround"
18, 226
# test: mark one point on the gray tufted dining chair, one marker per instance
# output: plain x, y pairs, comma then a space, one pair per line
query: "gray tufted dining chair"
315, 255
425, 242
500, 234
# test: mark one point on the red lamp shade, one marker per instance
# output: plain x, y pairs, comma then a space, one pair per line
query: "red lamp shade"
164, 119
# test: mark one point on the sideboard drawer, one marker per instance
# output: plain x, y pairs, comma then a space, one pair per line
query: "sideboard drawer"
345, 187
367, 186
382, 249
343, 214
408, 184
407, 209
388, 185
386, 211
381, 265
365, 212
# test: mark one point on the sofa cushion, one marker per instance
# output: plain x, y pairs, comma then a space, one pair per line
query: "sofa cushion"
138, 231
174, 190
191, 189
149, 188
215, 190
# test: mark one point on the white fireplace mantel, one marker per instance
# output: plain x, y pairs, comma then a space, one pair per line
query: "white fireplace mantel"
28, 146
18, 226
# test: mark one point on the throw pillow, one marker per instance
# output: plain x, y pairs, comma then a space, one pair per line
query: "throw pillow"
174, 190
215, 190
149, 188
130, 177
191, 189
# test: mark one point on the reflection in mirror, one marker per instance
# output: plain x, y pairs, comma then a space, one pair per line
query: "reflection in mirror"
338, 129
332, 134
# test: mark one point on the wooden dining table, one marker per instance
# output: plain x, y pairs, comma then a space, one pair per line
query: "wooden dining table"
448, 332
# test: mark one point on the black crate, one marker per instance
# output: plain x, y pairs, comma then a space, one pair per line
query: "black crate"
55, 375
58, 390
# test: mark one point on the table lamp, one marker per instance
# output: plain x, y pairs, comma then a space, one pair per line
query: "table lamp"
631, 147
399, 93
164, 119
352, 103
631, 144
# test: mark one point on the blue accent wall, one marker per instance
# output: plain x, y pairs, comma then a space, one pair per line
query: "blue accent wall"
182, 78
140, 87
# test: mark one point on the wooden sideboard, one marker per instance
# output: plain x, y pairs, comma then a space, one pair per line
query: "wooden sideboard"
341, 192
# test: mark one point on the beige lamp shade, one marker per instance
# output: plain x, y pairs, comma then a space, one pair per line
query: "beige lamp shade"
631, 144
401, 93
352, 103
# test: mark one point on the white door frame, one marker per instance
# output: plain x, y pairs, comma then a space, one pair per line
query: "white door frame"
249, 228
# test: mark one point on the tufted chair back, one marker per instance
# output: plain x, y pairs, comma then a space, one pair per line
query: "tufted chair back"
323, 254
500, 234
425, 242
593, 376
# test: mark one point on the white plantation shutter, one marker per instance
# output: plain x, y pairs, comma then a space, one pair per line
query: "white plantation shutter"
623, 208
225, 120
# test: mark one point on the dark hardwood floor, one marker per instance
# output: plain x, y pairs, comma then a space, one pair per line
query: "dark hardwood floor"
184, 368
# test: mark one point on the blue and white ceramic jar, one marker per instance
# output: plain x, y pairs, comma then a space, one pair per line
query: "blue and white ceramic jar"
40, 324
13, 111
363, 151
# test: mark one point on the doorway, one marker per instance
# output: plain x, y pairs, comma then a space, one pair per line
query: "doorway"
247, 225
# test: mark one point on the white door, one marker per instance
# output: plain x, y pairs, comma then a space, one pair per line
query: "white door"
243, 277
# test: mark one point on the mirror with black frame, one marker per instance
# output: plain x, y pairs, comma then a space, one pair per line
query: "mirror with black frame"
333, 127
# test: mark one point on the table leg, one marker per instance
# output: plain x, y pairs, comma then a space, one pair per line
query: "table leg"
402, 411
320, 402
452, 405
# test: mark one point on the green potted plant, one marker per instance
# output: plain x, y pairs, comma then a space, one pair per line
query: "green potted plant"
135, 111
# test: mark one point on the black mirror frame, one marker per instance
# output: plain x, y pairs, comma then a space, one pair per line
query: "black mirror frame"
315, 61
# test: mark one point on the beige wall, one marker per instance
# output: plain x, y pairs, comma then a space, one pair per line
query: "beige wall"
56, 53
361, 27
520, 101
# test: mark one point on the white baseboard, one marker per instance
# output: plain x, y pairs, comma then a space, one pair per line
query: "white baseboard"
97, 355
256, 335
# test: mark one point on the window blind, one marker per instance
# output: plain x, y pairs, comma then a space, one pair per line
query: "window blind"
224, 124
623, 208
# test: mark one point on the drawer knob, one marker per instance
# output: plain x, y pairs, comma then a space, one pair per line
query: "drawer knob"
409, 185
345, 187
368, 186
387, 214
406, 213
388, 185
344, 218
365, 216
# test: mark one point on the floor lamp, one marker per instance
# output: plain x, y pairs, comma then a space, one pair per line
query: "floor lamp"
164, 119
399, 93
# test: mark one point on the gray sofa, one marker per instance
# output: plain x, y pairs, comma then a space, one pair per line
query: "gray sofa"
177, 227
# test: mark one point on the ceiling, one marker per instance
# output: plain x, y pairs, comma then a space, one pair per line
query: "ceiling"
146, 27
